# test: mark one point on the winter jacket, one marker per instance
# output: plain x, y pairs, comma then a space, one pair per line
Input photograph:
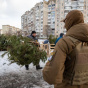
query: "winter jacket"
56, 66
32, 38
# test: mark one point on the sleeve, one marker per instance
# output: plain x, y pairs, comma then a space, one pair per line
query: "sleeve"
53, 70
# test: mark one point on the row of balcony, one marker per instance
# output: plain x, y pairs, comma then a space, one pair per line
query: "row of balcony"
75, 5
72, 8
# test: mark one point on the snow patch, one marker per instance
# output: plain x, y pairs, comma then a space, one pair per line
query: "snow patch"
16, 76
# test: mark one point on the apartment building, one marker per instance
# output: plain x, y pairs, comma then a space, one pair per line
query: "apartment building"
41, 15
7, 29
39, 12
35, 19
49, 14
24, 21
63, 7
31, 20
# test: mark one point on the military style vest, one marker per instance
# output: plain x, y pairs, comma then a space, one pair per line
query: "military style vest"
76, 65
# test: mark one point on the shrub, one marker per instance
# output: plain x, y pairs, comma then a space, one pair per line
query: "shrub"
52, 39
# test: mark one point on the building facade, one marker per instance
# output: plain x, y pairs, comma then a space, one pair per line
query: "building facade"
24, 21
48, 14
35, 19
62, 9
51, 16
40, 16
11, 30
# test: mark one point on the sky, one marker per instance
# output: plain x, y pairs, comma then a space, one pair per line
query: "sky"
12, 10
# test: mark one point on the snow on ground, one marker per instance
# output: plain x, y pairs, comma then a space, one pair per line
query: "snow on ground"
14, 76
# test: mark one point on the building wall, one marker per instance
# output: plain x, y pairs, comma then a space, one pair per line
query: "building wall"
45, 16
86, 10
62, 9
24, 21
51, 16
51, 13
38, 17
34, 20
7, 29
59, 16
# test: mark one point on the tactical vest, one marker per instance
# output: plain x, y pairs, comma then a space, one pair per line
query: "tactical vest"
76, 65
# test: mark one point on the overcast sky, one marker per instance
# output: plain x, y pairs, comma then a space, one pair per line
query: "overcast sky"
12, 10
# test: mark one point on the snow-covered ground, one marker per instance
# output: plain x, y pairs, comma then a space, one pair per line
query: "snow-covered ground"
14, 76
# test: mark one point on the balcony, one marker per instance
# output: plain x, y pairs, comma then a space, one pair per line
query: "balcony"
81, 1
52, 26
37, 18
74, 5
80, 9
81, 4
67, 4
68, 8
41, 17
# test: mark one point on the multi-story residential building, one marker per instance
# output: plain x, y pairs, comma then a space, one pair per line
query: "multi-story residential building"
39, 12
50, 13
31, 20
35, 19
24, 21
63, 7
7, 29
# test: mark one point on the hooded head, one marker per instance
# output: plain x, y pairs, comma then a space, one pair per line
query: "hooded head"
73, 17
61, 34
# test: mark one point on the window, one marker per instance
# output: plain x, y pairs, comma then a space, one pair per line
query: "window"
49, 5
49, 12
53, 29
41, 22
49, 22
53, 5
41, 35
49, 8
53, 8
41, 11
53, 22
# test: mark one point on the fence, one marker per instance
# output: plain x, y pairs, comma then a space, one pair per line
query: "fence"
47, 47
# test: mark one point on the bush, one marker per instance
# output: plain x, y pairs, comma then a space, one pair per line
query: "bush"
3, 43
52, 39
22, 52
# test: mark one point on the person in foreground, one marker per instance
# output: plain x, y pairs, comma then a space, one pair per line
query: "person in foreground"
68, 67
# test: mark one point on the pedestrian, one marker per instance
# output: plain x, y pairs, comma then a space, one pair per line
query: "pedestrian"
68, 67
35, 41
61, 36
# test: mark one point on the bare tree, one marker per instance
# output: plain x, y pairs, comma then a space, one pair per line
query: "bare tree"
47, 31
